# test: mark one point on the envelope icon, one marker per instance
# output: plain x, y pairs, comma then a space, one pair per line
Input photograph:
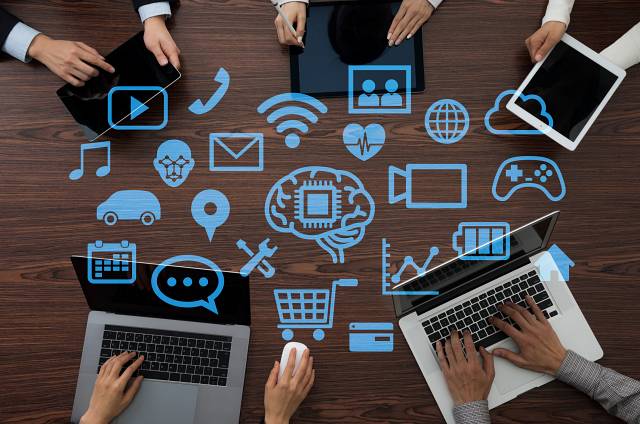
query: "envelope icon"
241, 152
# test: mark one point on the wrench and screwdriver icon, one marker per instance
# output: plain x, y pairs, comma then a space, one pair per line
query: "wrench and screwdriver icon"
258, 259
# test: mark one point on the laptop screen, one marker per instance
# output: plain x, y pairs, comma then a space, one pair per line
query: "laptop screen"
139, 297
462, 274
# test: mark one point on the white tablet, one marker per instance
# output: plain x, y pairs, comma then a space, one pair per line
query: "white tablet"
575, 83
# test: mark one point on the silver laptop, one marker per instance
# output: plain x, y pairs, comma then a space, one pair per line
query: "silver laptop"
468, 293
194, 358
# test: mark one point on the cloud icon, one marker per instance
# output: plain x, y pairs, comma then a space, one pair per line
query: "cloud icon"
543, 116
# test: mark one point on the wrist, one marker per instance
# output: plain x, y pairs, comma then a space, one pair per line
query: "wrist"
556, 363
273, 419
38, 46
154, 21
90, 417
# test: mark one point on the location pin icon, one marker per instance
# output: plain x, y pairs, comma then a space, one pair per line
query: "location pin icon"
206, 220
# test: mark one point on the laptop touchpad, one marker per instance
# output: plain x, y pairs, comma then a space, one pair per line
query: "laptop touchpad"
162, 403
508, 376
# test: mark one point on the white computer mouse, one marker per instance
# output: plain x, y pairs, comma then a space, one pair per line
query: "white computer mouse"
284, 360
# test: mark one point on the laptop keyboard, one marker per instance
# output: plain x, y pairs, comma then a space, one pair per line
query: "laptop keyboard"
473, 313
171, 355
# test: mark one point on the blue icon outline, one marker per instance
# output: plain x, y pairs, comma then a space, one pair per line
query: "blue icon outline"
528, 184
258, 260
199, 108
356, 139
130, 205
123, 258
218, 139
407, 194
209, 304
369, 337
292, 138
386, 279
433, 109
135, 111
525, 97
390, 111
172, 173
210, 222
468, 255
103, 170
317, 298
335, 240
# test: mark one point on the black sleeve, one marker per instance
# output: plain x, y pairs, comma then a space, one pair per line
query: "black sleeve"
7, 22
137, 4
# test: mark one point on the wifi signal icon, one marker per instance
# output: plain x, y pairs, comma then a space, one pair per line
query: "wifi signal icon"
289, 125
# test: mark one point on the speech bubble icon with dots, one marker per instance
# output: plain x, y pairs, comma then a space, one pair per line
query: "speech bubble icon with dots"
184, 286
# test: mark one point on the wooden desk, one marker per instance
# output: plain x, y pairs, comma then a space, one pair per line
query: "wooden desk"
473, 50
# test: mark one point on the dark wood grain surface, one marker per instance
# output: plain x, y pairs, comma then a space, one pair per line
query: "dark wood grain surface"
473, 50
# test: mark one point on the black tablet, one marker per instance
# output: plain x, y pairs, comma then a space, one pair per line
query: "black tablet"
120, 100
339, 34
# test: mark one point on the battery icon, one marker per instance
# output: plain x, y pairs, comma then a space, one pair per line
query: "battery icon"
482, 241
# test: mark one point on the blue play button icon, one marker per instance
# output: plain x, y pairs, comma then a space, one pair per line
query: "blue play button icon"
137, 108
131, 107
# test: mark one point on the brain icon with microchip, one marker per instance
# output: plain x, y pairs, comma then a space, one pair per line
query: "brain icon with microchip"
327, 205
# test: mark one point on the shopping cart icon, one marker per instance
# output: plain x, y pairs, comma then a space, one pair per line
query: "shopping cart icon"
308, 308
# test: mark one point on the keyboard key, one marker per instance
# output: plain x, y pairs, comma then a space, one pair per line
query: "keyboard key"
156, 375
540, 297
545, 304
165, 340
182, 369
208, 344
499, 296
474, 328
475, 307
222, 381
444, 322
183, 341
428, 329
173, 341
484, 303
157, 339
174, 376
223, 359
173, 367
138, 337
213, 381
219, 372
476, 317
437, 326
468, 311
129, 337
164, 366
492, 300
191, 342
204, 379
106, 353
195, 361
185, 378
154, 366
106, 343
190, 369
177, 350
468, 321
209, 370
492, 339
553, 313
459, 315
458, 308
195, 379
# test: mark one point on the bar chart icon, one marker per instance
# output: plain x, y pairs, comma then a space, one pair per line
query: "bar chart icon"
482, 241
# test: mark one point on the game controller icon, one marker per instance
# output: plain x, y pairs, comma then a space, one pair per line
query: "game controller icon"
528, 171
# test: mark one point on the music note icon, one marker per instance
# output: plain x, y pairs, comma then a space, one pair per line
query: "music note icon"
76, 174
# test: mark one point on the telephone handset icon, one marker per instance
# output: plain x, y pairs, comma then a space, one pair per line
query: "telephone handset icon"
199, 108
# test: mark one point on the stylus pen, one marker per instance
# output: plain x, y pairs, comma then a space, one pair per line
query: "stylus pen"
291, 28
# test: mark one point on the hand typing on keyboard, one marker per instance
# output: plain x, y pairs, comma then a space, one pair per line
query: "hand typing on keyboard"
114, 389
540, 348
468, 379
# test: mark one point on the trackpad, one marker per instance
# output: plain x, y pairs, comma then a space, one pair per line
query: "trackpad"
508, 376
162, 403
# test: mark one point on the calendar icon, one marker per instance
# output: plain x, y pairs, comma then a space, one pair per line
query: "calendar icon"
111, 263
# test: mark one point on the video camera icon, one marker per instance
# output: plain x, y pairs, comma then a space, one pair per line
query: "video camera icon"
128, 107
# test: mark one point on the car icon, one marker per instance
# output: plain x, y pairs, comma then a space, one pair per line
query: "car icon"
129, 205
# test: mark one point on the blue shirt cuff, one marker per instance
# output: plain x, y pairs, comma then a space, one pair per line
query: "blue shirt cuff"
19, 40
154, 9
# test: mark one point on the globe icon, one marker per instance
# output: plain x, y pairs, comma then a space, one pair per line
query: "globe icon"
446, 121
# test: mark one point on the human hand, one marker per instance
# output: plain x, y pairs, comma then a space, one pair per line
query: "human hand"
72, 61
296, 13
544, 39
467, 379
158, 40
540, 348
410, 17
113, 392
283, 396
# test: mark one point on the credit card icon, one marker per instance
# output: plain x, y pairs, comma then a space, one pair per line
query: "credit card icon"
369, 337
478, 241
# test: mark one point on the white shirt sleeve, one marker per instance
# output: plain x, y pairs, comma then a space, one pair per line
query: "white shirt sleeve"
19, 40
154, 9
435, 3
558, 10
281, 2
625, 52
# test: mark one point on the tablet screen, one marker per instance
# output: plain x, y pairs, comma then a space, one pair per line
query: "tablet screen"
339, 34
572, 87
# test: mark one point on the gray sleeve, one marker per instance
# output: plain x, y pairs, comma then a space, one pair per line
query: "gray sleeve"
617, 393
476, 412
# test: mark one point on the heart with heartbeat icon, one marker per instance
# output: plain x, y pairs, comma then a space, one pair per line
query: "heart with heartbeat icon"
363, 143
